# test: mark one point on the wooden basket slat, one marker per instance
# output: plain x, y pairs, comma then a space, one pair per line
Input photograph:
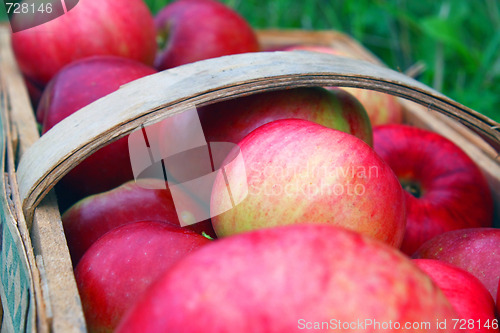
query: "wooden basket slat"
44, 161
169, 92
16, 278
472, 143
279, 39
271, 39
59, 308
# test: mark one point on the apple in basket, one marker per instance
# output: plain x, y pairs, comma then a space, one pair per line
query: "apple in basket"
298, 171
445, 189
123, 263
192, 30
92, 27
475, 250
382, 108
469, 297
290, 279
232, 120
75, 86
93, 216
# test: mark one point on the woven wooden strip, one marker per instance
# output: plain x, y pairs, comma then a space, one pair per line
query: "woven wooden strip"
167, 93
57, 307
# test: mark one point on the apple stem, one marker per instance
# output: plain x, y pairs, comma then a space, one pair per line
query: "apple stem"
204, 234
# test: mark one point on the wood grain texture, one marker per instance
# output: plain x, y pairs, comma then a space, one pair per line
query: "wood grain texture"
58, 307
473, 144
277, 39
16, 278
164, 94
24, 121
65, 313
154, 98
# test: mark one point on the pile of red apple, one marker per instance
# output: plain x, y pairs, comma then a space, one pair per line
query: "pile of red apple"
342, 219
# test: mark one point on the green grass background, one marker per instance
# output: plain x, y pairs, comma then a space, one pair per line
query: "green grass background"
458, 41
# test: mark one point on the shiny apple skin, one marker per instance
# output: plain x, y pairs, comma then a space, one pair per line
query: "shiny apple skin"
195, 30
298, 171
466, 293
87, 220
124, 263
92, 27
268, 280
454, 193
475, 250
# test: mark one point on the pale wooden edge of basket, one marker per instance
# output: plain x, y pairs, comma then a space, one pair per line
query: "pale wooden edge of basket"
173, 91
280, 38
475, 146
65, 305
16, 213
48, 242
28, 144
19, 313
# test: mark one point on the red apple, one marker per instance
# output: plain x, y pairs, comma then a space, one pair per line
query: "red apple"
232, 120
475, 250
92, 27
92, 217
194, 30
298, 171
382, 108
75, 86
445, 190
123, 263
287, 279
469, 297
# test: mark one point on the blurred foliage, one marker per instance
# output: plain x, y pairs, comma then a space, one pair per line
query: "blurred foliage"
457, 41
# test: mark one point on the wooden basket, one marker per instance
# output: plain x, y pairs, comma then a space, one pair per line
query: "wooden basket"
35, 258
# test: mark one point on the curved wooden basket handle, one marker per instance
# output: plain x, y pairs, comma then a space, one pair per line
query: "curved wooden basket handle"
170, 92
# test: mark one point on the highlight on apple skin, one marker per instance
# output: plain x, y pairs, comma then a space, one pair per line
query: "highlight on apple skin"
466, 293
193, 30
298, 171
474, 250
74, 87
122, 265
445, 189
92, 27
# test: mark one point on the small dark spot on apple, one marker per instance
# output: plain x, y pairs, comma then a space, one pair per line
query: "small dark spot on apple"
412, 187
